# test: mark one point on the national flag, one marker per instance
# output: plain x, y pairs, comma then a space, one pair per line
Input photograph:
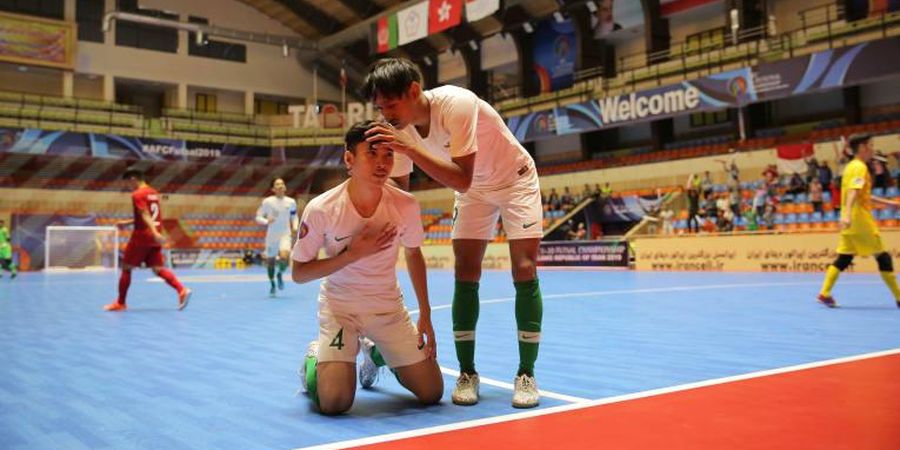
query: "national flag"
479, 9
386, 33
443, 14
412, 23
792, 157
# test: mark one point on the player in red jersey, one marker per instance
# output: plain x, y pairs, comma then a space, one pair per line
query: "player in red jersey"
145, 245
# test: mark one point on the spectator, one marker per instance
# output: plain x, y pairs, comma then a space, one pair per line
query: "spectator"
606, 192
825, 175
667, 216
596, 192
553, 200
881, 177
693, 196
843, 155
726, 220
735, 200
580, 233
734, 175
566, 200
751, 217
812, 169
815, 195
768, 218
796, 184
707, 185
586, 193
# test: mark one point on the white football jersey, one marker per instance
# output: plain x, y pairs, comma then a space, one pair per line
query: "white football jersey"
461, 124
283, 210
369, 285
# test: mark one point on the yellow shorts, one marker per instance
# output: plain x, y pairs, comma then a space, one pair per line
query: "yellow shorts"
860, 244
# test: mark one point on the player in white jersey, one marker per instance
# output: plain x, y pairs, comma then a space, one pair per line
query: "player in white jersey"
461, 141
279, 214
361, 224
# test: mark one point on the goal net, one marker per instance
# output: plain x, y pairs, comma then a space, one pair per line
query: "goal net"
81, 247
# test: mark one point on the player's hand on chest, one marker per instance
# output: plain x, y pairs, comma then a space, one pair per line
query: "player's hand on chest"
364, 239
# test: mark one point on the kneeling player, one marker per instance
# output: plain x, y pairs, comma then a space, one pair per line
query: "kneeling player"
360, 224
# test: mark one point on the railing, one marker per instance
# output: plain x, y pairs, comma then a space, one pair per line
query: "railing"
821, 24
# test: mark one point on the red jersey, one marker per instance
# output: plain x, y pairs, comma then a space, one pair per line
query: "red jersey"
145, 199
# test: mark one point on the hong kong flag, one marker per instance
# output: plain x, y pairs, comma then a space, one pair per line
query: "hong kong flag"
443, 14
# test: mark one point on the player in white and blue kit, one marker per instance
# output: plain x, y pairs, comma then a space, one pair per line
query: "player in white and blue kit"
279, 214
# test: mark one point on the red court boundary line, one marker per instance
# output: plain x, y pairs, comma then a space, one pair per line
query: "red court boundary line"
838, 403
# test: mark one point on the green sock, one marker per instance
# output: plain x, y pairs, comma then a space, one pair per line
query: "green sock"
311, 379
282, 265
377, 358
270, 270
465, 316
529, 312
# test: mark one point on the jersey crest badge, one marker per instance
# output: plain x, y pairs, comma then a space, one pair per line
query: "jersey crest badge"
304, 230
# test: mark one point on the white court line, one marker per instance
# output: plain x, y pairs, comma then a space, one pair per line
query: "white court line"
656, 290
509, 386
592, 403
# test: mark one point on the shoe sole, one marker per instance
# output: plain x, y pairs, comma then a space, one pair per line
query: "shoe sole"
829, 305
525, 406
187, 298
462, 403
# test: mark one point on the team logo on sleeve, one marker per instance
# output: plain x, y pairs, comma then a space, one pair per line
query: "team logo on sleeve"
304, 230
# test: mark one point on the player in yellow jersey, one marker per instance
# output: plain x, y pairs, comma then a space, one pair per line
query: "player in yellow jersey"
859, 232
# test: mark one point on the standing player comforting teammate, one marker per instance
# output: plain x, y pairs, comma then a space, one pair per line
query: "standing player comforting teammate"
461, 141
361, 224
279, 214
859, 232
145, 245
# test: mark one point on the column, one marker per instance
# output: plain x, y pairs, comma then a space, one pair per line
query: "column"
68, 84
181, 97
249, 106
109, 88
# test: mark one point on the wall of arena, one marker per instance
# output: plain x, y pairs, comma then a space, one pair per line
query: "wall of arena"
663, 174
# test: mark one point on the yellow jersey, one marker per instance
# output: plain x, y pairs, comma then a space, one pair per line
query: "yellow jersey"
856, 177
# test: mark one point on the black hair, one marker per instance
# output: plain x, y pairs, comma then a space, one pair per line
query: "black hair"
357, 134
272, 184
855, 140
391, 77
133, 172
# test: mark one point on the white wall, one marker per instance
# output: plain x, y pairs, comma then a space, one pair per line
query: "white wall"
498, 51
265, 72
450, 67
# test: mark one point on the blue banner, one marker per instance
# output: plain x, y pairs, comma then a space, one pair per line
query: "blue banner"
827, 69
555, 47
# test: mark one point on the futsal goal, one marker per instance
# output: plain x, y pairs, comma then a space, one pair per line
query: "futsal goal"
81, 247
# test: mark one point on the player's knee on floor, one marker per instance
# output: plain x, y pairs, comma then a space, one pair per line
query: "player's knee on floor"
334, 405
885, 262
842, 262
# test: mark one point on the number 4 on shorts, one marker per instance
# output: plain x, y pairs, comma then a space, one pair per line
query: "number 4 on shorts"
338, 340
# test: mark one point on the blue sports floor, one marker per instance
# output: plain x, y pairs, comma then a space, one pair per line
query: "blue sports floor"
222, 373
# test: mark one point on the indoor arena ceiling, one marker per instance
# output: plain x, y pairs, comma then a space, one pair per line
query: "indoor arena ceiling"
317, 19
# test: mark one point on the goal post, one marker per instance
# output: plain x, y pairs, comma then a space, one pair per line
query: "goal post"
81, 248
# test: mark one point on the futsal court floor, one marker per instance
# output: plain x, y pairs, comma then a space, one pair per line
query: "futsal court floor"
627, 361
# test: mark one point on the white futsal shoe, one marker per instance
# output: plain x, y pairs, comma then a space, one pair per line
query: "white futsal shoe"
466, 391
368, 371
526, 393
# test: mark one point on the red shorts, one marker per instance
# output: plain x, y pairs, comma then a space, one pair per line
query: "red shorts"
137, 253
